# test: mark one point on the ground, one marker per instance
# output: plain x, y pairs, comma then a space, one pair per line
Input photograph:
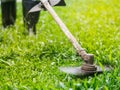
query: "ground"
31, 63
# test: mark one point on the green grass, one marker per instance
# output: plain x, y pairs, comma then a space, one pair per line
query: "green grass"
31, 63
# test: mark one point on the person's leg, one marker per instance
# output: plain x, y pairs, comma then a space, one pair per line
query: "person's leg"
8, 13
31, 19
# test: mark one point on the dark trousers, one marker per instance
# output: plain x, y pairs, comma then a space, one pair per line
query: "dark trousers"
9, 14
30, 19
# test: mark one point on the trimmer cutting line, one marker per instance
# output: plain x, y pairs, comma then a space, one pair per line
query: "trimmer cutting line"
88, 68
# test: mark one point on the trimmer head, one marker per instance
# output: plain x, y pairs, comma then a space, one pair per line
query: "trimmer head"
78, 71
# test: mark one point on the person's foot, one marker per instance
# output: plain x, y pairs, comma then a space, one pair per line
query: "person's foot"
31, 32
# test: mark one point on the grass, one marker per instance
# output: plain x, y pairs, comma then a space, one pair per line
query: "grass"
31, 63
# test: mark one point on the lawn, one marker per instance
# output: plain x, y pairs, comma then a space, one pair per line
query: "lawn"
32, 62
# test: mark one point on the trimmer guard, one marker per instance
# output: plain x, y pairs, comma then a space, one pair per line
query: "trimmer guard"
77, 71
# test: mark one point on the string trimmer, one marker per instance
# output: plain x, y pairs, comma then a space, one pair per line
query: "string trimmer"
88, 68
